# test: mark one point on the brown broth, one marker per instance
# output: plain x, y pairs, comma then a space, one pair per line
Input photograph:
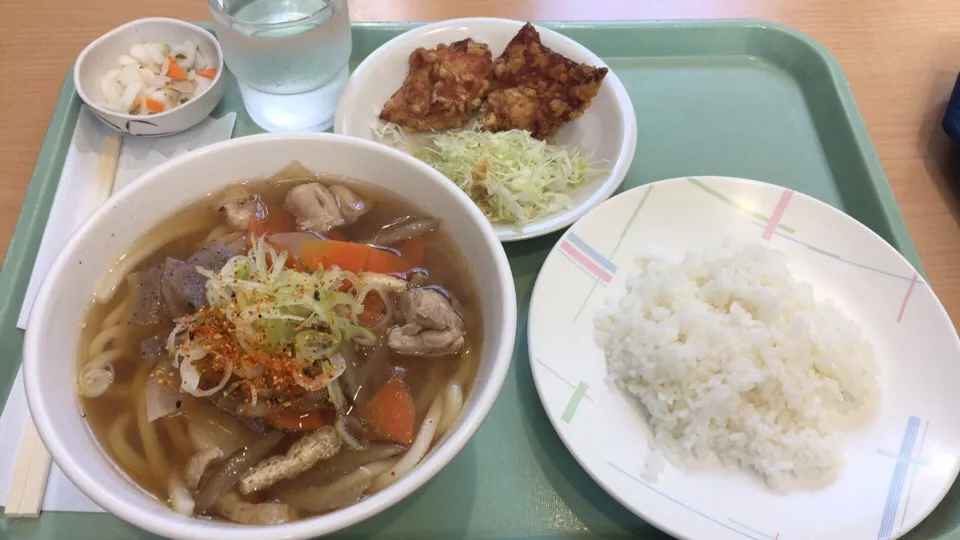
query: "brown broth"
124, 400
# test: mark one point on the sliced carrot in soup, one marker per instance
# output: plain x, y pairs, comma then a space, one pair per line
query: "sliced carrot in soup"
390, 412
315, 253
326, 253
310, 253
271, 219
279, 220
412, 252
347, 255
373, 309
383, 261
258, 221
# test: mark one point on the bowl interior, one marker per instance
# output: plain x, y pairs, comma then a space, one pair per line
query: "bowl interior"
101, 56
49, 364
606, 131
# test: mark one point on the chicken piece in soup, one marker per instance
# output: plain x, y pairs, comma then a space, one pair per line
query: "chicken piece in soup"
283, 348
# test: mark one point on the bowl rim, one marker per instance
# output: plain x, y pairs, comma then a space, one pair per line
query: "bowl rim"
81, 59
167, 522
603, 189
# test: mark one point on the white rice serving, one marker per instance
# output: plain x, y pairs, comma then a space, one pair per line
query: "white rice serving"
730, 355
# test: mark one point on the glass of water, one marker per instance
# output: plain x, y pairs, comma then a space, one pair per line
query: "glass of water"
290, 58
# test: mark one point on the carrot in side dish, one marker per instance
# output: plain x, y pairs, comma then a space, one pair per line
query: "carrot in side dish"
155, 104
174, 71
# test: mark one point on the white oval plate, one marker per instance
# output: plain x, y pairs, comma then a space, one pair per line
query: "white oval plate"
899, 465
607, 130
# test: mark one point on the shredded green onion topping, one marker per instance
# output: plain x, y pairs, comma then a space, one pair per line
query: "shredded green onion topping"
269, 303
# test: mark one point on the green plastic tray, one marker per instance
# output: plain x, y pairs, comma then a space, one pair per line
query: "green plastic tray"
737, 98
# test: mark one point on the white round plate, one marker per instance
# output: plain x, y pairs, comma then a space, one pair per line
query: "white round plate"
898, 465
607, 131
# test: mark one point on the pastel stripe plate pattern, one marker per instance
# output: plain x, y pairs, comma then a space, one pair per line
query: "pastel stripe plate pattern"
887, 484
588, 258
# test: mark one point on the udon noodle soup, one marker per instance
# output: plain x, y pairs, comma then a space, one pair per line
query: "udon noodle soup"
280, 349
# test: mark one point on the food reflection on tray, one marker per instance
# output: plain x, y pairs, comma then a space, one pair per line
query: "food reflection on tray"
489, 122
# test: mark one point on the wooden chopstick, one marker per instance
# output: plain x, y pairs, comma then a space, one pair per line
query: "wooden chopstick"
107, 169
29, 483
29, 477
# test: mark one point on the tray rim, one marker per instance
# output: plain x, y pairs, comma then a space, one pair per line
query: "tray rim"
63, 117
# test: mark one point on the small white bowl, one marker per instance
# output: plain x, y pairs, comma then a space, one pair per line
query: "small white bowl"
102, 55
607, 131
50, 365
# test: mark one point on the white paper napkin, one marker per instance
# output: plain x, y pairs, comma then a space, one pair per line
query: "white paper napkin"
72, 204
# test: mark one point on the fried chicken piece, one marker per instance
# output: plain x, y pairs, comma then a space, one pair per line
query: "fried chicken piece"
443, 88
537, 89
517, 108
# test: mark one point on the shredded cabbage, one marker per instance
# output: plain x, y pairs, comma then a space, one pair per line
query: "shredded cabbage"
511, 176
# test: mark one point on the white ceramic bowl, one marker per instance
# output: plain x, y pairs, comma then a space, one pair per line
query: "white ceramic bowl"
49, 365
101, 56
607, 130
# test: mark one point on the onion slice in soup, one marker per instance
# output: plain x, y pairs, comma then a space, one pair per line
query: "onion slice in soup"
404, 229
222, 480
162, 392
234, 508
345, 491
180, 499
198, 463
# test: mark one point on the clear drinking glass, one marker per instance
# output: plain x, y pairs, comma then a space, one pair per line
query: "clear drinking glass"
290, 58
